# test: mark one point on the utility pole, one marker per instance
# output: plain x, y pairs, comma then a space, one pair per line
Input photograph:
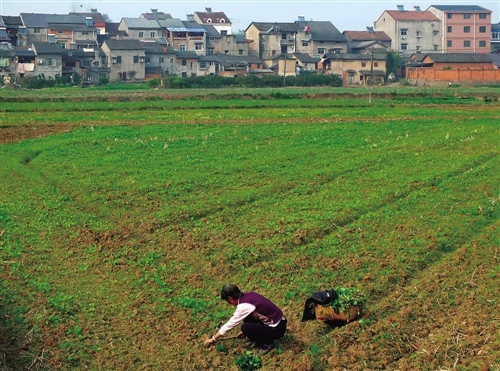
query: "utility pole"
371, 78
284, 73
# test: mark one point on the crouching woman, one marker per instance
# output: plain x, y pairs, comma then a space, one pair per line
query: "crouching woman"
263, 321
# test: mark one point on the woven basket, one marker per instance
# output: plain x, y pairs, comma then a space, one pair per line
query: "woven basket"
328, 313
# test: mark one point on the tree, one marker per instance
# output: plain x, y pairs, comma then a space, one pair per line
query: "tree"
394, 63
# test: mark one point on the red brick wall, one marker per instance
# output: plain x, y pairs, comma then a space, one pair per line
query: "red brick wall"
431, 74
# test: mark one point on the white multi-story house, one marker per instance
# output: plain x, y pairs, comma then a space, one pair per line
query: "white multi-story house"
413, 31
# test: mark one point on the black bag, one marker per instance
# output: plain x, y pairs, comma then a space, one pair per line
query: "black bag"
320, 297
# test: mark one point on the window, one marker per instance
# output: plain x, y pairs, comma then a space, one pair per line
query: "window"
62, 45
466, 29
375, 64
283, 36
184, 62
223, 33
449, 29
419, 48
321, 51
419, 34
36, 30
52, 62
404, 46
467, 16
435, 48
182, 47
305, 44
85, 32
449, 43
404, 32
449, 15
210, 51
466, 43
147, 60
136, 59
482, 29
141, 34
161, 60
482, 15
152, 34
240, 51
198, 46
435, 32
482, 43
203, 65
363, 64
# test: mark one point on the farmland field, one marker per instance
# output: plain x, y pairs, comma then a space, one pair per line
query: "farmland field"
123, 213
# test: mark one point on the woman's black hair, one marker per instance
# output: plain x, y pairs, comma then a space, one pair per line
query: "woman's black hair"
230, 291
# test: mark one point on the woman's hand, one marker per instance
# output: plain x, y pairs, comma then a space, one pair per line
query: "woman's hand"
209, 342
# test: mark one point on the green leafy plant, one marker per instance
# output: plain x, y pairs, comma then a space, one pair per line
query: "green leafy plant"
348, 297
248, 361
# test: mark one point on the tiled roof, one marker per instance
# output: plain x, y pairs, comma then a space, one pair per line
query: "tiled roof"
457, 57
47, 48
272, 26
355, 57
124, 45
412, 15
24, 51
141, 23
461, 8
186, 54
366, 44
211, 30
322, 31
171, 23
231, 59
215, 17
156, 48
12, 22
306, 58
366, 36
96, 17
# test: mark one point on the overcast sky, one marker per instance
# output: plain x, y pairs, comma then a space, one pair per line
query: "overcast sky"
345, 15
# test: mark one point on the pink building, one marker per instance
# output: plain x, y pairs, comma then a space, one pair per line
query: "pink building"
465, 28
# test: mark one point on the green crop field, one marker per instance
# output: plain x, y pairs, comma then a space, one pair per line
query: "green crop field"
123, 213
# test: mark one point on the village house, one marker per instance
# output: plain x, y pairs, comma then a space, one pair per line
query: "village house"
361, 42
11, 25
216, 19
160, 59
411, 32
126, 60
229, 65
97, 18
355, 69
464, 28
186, 63
140, 29
306, 37
7, 61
